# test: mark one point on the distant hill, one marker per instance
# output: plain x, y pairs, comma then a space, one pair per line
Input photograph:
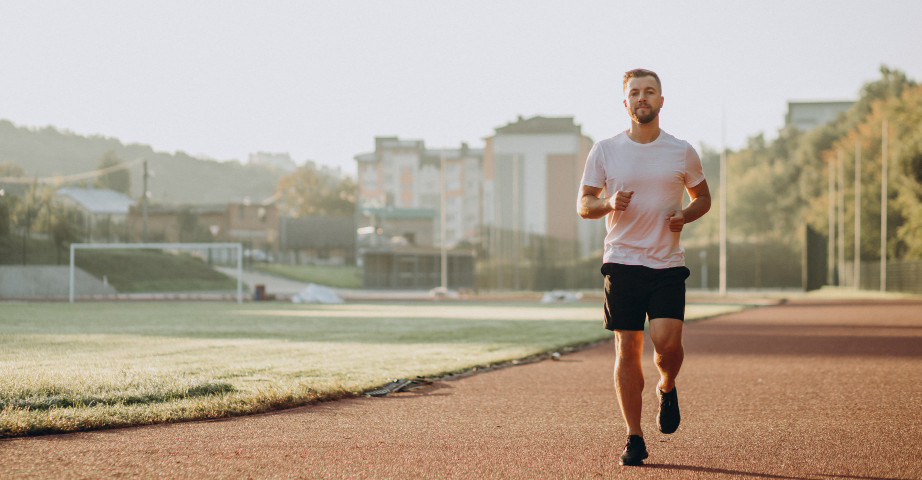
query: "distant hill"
177, 178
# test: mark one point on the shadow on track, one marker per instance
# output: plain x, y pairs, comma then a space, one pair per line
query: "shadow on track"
725, 471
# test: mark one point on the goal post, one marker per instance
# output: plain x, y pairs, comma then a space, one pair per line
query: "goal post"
159, 246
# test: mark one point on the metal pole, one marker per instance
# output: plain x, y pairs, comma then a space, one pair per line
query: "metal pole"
497, 235
515, 221
840, 164
72, 273
831, 243
703, 254
723, 214
857, 215
144, 204
239, 273
442, 222
883, 207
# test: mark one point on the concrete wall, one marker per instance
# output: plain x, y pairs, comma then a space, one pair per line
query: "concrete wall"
42, 282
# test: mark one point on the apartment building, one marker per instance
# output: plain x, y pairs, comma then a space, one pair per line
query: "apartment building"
406, 176
281, 161
532, 169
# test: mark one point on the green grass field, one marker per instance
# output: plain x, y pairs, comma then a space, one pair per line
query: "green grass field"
152, 271
71, 367
331, 276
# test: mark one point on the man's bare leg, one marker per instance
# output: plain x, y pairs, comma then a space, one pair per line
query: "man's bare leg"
668, 352
629, 377
668, 355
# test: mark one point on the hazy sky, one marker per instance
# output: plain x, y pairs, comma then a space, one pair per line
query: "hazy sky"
321, 79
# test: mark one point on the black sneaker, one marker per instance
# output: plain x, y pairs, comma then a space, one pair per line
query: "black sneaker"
668, 418
635, 451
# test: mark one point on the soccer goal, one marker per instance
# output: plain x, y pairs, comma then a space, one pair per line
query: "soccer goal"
233, 252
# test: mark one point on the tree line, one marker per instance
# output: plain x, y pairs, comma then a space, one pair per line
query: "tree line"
175, 178
33, 222
778, 187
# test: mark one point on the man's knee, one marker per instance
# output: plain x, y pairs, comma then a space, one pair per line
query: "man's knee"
666, 334
629, 345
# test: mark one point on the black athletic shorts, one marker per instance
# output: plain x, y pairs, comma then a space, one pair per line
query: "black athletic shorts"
634, 292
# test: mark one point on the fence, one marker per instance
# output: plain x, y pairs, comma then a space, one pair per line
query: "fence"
902, 276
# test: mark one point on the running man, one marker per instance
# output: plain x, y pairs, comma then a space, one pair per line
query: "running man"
636, 180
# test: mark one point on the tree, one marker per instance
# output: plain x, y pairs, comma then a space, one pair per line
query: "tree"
764, 200
310, 190
905, 115
899, 101
707, 229
188, 221
11, 169
65, 228
6, 214
778, 186
27, 212
189, 228
118, 180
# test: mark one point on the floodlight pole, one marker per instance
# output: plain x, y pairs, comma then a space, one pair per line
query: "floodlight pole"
857, 216
723, 210
444, 279
498, 235
831, 241
840, 167
883, 207
515, 221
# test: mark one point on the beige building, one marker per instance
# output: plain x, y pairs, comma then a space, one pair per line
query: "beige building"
405, 176
531, 169
522, 186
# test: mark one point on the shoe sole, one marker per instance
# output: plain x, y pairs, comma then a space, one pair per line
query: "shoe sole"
636, 463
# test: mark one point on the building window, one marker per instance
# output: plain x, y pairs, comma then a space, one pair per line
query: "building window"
452, 176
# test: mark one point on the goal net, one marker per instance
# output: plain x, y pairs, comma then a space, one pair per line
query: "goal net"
220, 253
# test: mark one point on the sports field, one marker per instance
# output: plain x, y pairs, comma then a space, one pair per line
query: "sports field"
70, 367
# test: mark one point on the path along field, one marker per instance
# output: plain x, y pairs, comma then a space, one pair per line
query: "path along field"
805, 390
71, 367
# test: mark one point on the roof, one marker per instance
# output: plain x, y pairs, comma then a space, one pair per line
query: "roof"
98, 201
168, 209
453, 153
395, 142
397, 212
539, 124
366, 157
319, 231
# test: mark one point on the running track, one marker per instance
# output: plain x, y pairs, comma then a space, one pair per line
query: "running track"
818, 390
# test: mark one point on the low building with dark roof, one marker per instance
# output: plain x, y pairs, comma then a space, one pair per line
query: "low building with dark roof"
104, 211
320, 239
414, 268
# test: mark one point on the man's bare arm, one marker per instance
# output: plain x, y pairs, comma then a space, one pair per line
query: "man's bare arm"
590, 205
700, 204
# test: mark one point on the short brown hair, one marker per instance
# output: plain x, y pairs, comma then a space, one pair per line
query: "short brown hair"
641, 72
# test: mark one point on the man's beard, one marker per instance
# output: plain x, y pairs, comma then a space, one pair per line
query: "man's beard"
645, 118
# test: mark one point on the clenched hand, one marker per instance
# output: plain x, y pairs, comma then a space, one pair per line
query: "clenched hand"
676, 220
620, 200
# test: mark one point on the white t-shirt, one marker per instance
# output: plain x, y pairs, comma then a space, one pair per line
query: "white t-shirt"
658, 172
